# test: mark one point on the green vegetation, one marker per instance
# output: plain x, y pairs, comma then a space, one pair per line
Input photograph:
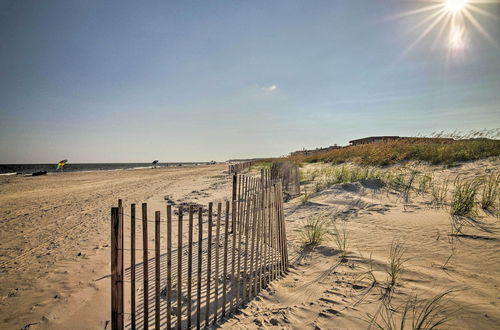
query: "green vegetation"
432, 150
490, 192
439, 192
340, 238
463, 201
315, 230
416, 314
395, 265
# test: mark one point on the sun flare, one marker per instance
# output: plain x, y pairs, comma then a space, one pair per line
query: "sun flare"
457, 19
455, 5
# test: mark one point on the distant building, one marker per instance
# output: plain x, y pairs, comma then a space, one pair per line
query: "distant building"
305, 152
375, 139
372, 139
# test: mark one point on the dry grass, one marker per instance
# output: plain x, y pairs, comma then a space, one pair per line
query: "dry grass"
434, 151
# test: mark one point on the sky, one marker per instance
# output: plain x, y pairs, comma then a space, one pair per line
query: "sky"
132, 81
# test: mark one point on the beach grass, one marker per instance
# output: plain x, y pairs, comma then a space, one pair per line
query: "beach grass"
314, 230
434, 151
416, 314
341, 239
490, 191
463, 202
395, 264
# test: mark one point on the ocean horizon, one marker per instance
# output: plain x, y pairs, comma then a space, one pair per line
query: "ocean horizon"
12, 169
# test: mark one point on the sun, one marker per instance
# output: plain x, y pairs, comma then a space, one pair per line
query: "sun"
455, 5
455, 17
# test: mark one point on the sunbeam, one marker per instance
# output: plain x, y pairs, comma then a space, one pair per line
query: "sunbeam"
454, 16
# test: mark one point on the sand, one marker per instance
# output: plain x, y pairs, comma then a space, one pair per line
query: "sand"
57, 229
55, 237
323, 292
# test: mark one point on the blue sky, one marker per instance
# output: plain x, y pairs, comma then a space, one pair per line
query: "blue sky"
119, 81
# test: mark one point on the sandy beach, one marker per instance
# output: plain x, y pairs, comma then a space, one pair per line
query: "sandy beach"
55, 238
55, 252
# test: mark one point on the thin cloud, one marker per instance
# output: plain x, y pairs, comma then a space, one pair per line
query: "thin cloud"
269, 89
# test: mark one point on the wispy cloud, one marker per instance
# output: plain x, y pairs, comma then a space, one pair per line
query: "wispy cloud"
269, 89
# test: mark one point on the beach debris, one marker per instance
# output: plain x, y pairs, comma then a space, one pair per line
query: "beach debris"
39, 173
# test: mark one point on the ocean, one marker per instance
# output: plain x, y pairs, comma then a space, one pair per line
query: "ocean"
6, 169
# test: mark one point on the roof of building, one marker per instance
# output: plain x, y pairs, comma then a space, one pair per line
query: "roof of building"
389, 137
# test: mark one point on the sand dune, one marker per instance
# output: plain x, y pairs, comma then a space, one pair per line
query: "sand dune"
54, 248
323, 292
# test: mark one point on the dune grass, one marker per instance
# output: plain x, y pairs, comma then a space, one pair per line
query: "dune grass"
432, 150
439, 193
463, 202
490, 191
395, 264
416, 314
314, 230
341, 239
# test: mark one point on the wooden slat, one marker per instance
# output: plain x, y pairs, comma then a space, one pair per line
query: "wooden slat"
273, 232
169, 266
238, 248
179, 270
190, 267
216, 277
209, 263
157, 270
116, 271
258, 250
235, 187
224, 270
200, 253
233, 256
145, 259
132, 268
251, 286
245, 262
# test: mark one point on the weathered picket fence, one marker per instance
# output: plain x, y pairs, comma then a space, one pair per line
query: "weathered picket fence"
239, 167
208, 275
288, 173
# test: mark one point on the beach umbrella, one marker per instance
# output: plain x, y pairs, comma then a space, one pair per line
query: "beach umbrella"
61, 164
155, 162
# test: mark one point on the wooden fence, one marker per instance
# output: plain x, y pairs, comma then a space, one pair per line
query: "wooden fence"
224, 256
288, 174
239, 167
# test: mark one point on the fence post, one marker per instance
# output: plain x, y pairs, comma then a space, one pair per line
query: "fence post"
217, 242
145, 261
157, 270
169, 266
190, 266
132, 267
179, 270
116, 271
200, 253
209, 263
224, 271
